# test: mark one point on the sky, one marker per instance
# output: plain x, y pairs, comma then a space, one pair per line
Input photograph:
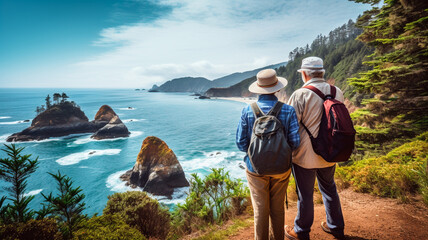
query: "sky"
138, 43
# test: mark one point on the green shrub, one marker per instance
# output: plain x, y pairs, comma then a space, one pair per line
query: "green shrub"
45, 229
140, 211
215, 198
108, 227
397, 174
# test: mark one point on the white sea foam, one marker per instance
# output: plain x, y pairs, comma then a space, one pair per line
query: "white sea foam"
14, 122
32, 193
179, 196
88, 139
127, 109
4, 117
230, 161
116, 184
213, 159
132, 120
4, 137
77, 157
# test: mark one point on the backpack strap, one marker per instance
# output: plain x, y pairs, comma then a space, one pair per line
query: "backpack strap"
315, 90
320, 94
333, 91
256, 110
276, 109
307, 130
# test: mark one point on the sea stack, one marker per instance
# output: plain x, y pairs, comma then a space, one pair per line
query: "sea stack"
110, 123
157, 169
59, 120
65, 118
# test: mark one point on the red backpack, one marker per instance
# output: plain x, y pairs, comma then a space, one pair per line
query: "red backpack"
336, 137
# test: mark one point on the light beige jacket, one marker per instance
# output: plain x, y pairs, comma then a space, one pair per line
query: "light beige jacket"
309, 108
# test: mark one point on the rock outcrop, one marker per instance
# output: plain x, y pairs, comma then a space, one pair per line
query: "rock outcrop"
109, 123
114, 129
157, 169
66, 118
59, 120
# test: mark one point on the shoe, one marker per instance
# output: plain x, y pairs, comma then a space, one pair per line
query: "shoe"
290, 233
328, 230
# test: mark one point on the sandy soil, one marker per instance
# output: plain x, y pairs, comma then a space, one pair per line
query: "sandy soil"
366, 217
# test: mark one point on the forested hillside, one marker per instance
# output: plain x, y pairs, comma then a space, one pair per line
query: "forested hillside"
342, 54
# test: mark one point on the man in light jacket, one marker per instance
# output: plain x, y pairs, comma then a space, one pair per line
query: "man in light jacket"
306, 163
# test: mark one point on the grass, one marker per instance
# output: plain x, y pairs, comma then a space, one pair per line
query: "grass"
398, 174
214, 233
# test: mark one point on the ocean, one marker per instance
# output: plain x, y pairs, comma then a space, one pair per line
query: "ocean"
200, 132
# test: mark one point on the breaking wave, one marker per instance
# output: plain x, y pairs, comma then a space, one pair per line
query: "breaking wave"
77, 157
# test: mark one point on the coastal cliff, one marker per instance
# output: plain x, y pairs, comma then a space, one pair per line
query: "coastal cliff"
157, 169
67, 118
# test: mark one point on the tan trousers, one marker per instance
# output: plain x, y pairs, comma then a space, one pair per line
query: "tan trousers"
267, 196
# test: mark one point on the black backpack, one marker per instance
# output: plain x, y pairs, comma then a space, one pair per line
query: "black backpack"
269, 152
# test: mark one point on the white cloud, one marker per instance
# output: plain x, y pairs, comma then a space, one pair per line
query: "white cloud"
209, 39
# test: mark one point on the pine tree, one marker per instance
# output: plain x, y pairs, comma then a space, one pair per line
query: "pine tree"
64, 97
398, 77
67, 206
56, 97
48, 101
16, 169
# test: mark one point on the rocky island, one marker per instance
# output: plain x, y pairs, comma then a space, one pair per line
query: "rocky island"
110, 124
156, 170
63, 118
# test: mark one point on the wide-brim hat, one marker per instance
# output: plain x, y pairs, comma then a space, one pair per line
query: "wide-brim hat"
267, 82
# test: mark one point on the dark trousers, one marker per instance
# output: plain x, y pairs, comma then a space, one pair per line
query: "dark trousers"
305, 180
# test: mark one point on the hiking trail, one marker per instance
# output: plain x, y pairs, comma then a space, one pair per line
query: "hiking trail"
366, 217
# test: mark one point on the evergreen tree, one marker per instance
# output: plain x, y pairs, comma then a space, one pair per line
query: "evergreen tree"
56, 97
67, 207
48, 102
64, 97
398, 76
16, 169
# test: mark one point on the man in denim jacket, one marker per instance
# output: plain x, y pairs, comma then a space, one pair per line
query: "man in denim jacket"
267, 191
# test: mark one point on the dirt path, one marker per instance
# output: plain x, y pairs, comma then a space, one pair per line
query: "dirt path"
366, 217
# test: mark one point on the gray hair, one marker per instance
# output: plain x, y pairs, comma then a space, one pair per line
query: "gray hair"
314, 73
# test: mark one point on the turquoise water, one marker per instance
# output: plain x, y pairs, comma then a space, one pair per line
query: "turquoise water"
200, 132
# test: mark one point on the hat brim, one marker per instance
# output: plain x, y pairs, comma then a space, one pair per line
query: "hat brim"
254, 88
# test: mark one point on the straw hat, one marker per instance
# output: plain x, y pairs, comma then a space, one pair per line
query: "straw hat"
267, 82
